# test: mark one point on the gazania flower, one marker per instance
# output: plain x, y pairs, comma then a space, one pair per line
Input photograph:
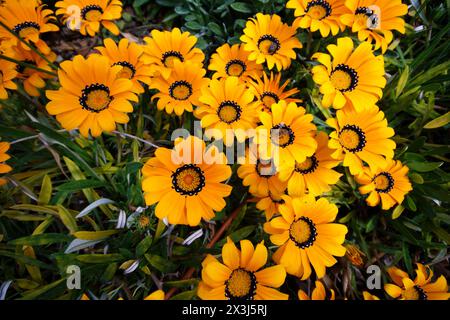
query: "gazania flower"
181, 90
319, 293
228, 109
268, 39
315, 174
163, 48
374, 20
388, 183
8, 73
270, 204
28, 19
269, 91
91, 14
92, 97
286, 135
185, 183
4, 168
306, 235
240, 275
323, 15
260, 175
354, 255
361, 136
33, 80
156, 295
369, 296
233, 62
422, 288
349, 76
128, 56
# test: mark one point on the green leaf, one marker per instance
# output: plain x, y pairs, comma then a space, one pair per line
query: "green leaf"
99, 258
424, 166
26, 260
181, 283
402, 81
40, 291
72, 186
238, 235
143, 246
438, 122
442, 234
46, 191
215, 28
94, 235
160, 264
186, 295
67, 218
241, 7
41, 239
397, 211
416, 178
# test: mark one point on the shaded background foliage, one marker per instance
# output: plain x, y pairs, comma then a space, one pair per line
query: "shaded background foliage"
57, 174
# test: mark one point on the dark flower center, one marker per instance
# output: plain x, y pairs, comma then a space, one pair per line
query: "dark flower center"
308, 166
384, 182
180, 90
229, 112
128, 70
188, 180
344, 78
282, 135
241, 285
352, 138
169, 58
235, 68
318, 9
303, 232
95, 97
268, 44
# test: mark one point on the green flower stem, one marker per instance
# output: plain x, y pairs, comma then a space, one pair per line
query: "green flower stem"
27, 65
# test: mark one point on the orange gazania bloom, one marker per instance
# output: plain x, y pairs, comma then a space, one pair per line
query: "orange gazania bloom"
181, 90
361, 136
319, 293
156, 295
354, 255
270, 40
7, 73
388, 183
241, 275
128, 55
421, 288
186, 182
374, 20
33, 80
232, 61
4, 168
286, 134
269, 91
163, 48
92, 97
322, 15
28, 19
315, 175
348, 76
270, 204
91, 14
260, 175
368, 296
228, 109
306, 236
